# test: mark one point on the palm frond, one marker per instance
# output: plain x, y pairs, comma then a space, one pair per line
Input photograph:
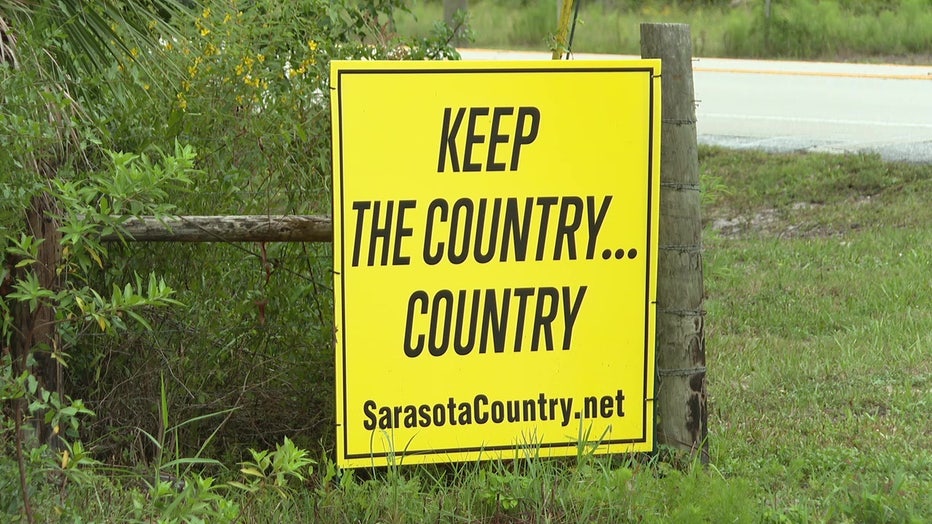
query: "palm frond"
94, 33
7, 45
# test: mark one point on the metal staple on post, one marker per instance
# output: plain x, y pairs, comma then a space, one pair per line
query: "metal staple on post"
680, 186
687, 248
680, 372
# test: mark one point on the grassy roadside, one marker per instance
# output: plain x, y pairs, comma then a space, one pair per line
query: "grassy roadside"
894, 32
820, 307
819, 333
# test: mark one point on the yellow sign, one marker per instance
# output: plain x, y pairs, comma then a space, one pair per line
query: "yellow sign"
495, 258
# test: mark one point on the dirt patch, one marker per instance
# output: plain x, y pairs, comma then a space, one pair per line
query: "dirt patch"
769, 221
761, 221
795, 221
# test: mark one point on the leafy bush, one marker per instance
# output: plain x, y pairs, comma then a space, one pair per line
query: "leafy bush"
223, 110
246, 85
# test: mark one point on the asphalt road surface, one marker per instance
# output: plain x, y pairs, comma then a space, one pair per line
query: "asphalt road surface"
801, 106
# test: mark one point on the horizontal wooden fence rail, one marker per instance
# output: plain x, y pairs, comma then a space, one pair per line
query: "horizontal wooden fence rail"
228, 228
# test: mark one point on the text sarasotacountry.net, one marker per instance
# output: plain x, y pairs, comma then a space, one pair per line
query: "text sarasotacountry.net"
483, 410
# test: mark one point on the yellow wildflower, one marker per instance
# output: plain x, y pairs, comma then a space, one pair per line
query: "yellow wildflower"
203, 29
312, 45
206, 13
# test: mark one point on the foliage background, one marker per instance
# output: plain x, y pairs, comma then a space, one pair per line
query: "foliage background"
842, 30
218, 107
246, 85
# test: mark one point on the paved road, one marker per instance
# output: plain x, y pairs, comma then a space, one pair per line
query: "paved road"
802, 106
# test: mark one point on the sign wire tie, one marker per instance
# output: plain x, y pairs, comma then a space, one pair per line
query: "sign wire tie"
679, 121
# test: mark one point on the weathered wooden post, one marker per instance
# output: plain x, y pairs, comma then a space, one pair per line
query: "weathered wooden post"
227, 228
681, 371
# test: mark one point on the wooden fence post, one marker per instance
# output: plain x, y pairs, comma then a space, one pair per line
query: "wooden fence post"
681, 371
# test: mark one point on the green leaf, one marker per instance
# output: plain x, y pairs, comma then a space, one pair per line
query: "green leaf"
139, 319
252, 472
152, 439
191, 461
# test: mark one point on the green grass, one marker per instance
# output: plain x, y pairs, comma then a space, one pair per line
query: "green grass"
802, 29
820, 329
819, 336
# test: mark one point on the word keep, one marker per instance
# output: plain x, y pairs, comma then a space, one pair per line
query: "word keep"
494, 124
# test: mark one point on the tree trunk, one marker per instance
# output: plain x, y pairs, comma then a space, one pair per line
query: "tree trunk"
35, 330
681, 371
